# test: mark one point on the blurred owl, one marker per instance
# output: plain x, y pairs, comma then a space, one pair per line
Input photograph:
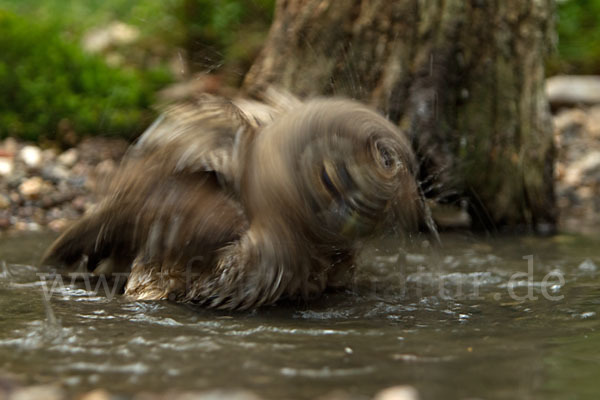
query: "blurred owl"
235, 204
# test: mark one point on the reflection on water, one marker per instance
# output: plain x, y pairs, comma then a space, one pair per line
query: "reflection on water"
496, 319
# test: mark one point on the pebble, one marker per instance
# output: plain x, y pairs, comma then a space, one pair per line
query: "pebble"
98, 394
15, 197
105, 168
33, 187
398, 393
6, 166
31, 156
69, 157
58, 225
4, 202
207, 395
573, 89
56, 173
48, 155
80, 204
46, 392
10, 145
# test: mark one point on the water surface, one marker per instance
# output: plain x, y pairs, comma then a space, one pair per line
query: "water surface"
465, 321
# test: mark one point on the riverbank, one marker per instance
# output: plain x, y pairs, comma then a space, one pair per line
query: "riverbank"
46, 188
577, 133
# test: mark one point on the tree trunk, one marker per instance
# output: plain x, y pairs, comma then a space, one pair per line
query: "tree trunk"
463, 78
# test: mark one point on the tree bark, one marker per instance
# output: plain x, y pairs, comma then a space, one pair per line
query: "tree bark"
463, 78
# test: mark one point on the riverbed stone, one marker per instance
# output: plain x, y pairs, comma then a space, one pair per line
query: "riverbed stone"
56, 173
68, 158
33, 187
569, 90
398, 393
4, 222
31, 156
4, 202
6, 165
10, 145
201, 395
58, 225
15, 197
46, 392
49, 155
98, 394
105, 168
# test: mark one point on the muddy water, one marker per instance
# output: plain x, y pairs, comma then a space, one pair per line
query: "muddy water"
473, 319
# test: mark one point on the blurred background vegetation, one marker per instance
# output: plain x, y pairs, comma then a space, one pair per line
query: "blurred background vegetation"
72, 68
578, 28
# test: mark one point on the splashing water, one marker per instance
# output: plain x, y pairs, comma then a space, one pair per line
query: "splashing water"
435, 320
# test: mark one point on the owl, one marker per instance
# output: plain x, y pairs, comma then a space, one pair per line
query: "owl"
236, 204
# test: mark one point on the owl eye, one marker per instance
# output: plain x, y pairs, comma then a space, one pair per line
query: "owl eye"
386, 155
387, 158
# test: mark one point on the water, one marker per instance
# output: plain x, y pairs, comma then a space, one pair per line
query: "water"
455, 322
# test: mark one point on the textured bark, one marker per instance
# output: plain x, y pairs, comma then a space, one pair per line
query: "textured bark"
464, 79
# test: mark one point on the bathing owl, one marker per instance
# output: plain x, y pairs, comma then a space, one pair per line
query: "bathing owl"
237, 204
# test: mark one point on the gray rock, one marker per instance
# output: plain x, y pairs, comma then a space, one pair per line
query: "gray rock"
573, 89
56, 173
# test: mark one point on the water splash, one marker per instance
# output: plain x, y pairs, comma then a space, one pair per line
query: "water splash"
4, 271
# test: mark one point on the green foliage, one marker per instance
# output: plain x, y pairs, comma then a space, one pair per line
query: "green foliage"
226, 32
578, 37
217, 21
50, 88
76, 16
213, 32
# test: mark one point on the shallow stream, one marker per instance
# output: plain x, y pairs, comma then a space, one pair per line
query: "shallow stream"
509, 318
